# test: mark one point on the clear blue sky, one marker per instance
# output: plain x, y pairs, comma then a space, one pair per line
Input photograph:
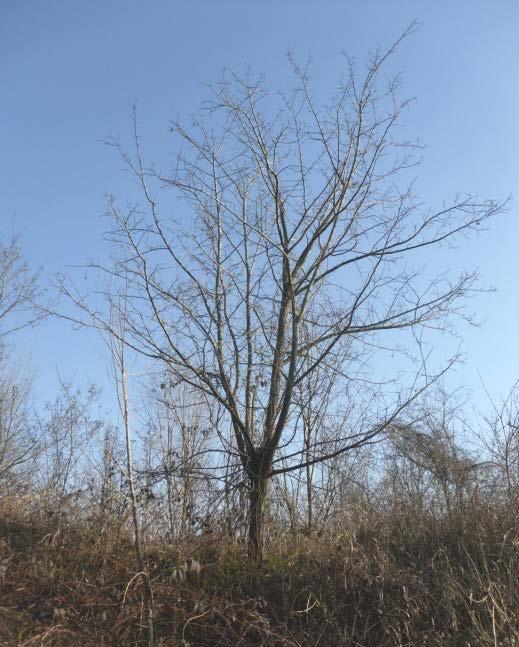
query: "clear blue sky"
69, 71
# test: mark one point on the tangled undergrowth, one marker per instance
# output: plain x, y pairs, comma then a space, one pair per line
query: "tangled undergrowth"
401, 579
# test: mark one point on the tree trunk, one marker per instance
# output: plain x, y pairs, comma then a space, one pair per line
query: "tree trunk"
258, 497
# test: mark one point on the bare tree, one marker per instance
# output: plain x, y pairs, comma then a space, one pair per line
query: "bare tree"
500, 438
430, 455
178, 435
19, 290
19, 440
294, 241
66, 427
116, 344
105, 479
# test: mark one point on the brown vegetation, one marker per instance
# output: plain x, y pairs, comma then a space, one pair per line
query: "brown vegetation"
391, 578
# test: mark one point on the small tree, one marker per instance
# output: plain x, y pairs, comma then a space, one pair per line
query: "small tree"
67, 429
428, 457
500, 438
19, 442
176, 432
293, 241
19, 291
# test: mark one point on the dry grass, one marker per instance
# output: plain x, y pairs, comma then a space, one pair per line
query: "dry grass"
401, 580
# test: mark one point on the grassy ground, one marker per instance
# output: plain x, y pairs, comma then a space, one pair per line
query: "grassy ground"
403, 579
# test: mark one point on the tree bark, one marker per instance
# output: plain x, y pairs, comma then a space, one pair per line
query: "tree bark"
257, 499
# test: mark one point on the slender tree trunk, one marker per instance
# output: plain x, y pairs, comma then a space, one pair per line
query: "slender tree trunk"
186, 486
186, 505
133, 499
309, 486
309, 497
168, 461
